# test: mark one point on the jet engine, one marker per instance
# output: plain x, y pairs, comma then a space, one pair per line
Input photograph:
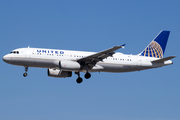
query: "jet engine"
58, 73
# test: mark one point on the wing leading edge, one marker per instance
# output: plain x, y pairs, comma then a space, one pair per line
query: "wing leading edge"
94, 58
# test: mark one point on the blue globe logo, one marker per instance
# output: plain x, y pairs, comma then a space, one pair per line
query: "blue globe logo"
153, 50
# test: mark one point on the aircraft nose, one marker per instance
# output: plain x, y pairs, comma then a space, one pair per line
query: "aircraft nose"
5, 58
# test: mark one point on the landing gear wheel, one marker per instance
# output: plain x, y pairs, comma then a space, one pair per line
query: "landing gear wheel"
79, 80
26, 69
87, 75
25, 74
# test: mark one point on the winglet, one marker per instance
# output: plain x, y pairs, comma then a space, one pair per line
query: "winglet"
117, 47
123, 46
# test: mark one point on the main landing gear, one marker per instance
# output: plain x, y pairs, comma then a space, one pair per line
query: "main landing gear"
79, 79
26, 69
87, 75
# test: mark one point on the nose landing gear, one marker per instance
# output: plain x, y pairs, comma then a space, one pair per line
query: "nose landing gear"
25, 74
26, 69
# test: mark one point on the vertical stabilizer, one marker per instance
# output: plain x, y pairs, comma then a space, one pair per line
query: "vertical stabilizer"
157, 47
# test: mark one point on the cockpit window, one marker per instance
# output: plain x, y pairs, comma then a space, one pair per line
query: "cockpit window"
14, 52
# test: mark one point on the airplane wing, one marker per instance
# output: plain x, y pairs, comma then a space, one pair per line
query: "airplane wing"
91, 60
163, 59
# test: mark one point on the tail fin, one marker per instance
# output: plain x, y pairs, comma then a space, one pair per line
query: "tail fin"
157, 47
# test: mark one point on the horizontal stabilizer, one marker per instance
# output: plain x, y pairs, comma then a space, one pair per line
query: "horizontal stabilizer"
163, 59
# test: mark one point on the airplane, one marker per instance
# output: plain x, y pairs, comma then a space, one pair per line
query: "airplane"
61, 63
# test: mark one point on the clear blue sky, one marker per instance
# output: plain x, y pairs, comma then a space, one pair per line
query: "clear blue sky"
89, 25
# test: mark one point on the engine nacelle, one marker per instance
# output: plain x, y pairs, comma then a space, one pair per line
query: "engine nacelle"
58, 73
69, 65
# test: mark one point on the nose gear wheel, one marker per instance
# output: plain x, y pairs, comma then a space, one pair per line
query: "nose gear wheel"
26, 69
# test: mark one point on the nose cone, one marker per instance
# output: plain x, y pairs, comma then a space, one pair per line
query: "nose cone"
6, 58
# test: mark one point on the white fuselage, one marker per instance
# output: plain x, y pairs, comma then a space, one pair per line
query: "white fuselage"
49, 58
